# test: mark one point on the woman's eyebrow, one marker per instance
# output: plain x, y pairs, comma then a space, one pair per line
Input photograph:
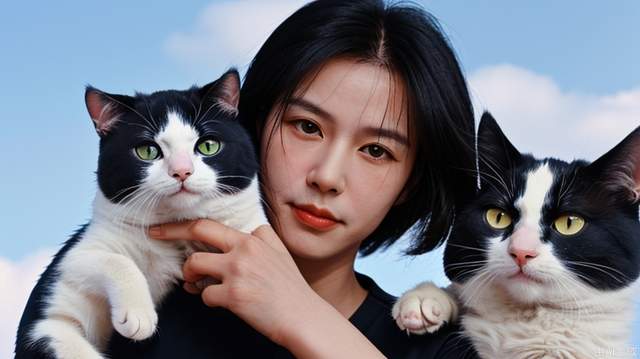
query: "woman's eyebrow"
311, 107
387, 133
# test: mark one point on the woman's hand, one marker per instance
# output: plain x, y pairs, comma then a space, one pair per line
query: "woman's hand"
261, 284
260, 281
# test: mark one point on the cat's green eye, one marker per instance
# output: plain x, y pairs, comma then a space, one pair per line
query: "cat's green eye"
498, 218
568, 224
209, 147
147, 152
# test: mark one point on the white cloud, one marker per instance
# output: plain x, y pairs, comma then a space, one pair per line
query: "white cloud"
17, 279
540, 117
229, 33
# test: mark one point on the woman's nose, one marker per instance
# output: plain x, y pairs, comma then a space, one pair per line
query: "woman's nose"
328, 176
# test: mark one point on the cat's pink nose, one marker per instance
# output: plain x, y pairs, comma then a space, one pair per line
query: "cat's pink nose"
180, 166
182, 174
524, 244
522, 255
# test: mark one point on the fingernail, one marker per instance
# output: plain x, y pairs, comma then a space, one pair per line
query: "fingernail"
190, 288
156, 232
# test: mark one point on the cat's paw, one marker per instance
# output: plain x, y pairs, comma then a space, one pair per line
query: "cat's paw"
423, 310
135, 322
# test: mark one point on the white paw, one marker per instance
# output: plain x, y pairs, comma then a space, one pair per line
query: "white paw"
418, 313
137, 323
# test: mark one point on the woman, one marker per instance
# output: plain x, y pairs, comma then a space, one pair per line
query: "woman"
364, 128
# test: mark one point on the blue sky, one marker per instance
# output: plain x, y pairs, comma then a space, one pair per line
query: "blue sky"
562, 77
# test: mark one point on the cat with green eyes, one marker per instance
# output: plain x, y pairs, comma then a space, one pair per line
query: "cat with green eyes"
164, 157
544, 260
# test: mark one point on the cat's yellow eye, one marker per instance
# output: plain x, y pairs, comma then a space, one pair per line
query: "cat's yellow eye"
497, 218
209, 147
148, 152
568, 224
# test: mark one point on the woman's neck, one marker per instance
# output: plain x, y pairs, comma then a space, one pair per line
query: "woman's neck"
335, 281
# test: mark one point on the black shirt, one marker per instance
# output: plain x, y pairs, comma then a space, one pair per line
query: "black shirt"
189, 329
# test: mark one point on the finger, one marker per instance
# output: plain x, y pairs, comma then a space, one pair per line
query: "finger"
203, 264
268, 235
214, 295
191, 288
203, 230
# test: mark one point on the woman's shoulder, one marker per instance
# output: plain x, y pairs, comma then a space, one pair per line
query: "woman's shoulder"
373, 318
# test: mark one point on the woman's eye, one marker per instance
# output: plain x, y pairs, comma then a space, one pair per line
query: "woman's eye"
147, 152
376, 151
307, 127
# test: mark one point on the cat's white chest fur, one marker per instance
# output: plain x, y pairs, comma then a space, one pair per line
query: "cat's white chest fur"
592, 328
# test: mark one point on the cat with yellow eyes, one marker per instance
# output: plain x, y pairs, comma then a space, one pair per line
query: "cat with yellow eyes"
544, 259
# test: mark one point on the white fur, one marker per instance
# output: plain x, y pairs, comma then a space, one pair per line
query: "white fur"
530, 204
557, 317
115, 276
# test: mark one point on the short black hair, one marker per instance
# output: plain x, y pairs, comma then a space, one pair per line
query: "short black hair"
408, 41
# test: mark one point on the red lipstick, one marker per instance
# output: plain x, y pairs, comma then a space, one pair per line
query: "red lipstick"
318, 219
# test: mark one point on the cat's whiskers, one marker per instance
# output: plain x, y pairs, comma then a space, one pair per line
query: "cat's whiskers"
141, 125
211, 120
133, 204
215, 104
231, 176
468, 247
498, 177
122, 191
197, 116
564, 190
122, 216
586, 305
565, 289
128, 107
139, 198
475, 285
226, 188
579, 294
153, 120
219, 196
561, 190
463, 264
469, 272
603, 269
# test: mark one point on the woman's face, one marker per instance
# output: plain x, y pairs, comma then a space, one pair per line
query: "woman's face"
339, 161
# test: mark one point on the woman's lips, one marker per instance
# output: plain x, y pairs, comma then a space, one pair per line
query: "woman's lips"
315, 218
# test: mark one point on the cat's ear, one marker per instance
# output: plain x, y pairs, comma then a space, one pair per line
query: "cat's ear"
224, 92
495, 151
105, 109
619, 169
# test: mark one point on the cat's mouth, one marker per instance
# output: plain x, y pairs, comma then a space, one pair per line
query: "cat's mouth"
523, 277
182, 190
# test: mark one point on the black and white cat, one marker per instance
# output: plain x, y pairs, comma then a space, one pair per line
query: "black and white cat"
164, 157
544, 259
